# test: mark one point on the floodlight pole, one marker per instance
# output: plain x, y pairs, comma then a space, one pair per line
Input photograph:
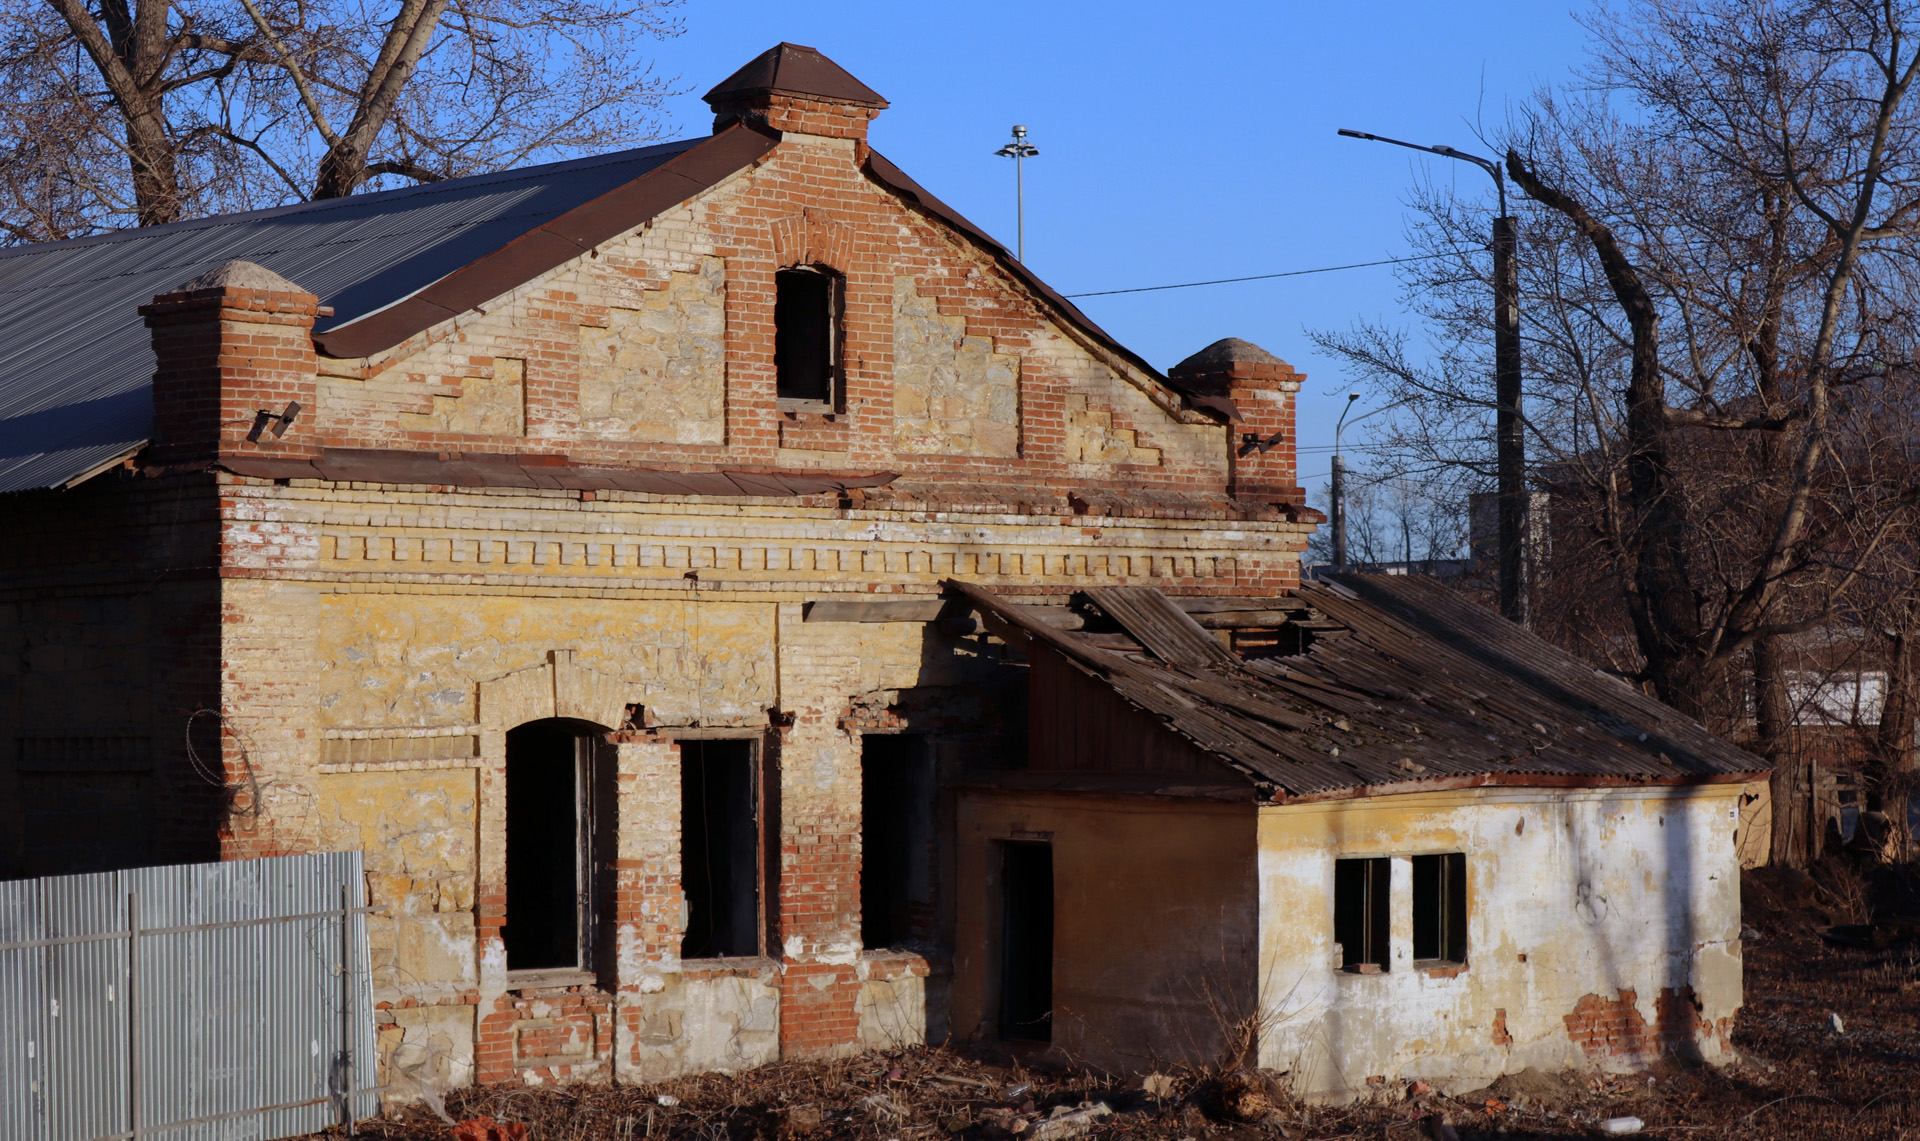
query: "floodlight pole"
1018, 150
1509, 438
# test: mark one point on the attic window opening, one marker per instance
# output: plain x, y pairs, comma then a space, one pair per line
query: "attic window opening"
1362, 899
806, 336
1287, 641
1440, 908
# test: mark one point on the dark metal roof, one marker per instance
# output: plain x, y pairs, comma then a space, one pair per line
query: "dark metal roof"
74, 353
1405, 686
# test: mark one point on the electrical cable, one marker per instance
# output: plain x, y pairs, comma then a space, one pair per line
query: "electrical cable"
1261, 276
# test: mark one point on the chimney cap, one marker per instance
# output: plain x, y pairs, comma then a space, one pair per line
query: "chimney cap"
792, 69
1223, 355
238, 275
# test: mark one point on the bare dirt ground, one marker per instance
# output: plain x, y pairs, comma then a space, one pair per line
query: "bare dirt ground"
1797, 1078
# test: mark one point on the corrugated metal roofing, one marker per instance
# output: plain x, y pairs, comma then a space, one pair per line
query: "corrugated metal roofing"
1405, 685
75, 362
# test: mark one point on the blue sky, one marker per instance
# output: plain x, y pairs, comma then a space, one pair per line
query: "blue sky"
1178, 142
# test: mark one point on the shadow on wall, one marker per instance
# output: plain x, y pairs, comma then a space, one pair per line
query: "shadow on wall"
139, 773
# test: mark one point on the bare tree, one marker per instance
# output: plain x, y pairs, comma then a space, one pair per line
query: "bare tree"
148, 111
1720, 294
1396, 517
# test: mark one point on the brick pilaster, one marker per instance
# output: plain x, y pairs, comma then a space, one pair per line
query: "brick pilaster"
229, 345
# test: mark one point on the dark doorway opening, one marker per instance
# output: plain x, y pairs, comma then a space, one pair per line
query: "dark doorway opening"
721, 866
1362, 905
1440, 908
805, 312
1026, 940
896, 841
550, 806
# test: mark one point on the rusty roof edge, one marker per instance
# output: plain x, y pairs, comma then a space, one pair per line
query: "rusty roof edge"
883, 171
1516, 780
507, 267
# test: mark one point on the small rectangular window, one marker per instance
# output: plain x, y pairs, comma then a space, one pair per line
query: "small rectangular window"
1440, 908
1361, 912
722, 866
806, 334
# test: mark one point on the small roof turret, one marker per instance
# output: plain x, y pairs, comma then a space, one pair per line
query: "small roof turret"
1228, 354
791, 69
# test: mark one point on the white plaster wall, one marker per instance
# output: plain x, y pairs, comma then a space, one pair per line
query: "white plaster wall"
1570, 894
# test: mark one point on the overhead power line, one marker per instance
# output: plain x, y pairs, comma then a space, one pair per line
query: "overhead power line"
1259, 276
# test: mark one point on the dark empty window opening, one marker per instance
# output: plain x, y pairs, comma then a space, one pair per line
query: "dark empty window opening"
1440, 908
721, 866
806, 312
550, 859
1026, 940
1361, 912
1270, 641
896, 841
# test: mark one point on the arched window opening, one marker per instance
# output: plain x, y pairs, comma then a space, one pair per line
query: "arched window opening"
554, 869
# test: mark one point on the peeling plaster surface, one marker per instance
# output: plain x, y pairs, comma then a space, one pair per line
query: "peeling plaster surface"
1570, 894
401, 660
691, 1025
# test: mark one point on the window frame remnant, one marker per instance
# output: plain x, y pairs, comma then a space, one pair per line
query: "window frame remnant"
1363, 913
533, 782
809, 301
1440, 909
742, 927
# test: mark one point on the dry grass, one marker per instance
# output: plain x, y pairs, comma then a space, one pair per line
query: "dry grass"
1797, 1080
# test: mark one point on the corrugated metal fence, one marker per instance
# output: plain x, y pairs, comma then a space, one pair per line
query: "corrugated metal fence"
200, 1002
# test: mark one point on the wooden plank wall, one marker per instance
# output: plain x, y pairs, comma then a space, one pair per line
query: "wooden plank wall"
1077, 723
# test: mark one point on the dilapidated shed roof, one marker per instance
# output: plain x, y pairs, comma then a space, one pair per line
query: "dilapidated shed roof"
1401, 685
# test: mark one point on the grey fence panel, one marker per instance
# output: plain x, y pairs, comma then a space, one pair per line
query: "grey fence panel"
200, 1002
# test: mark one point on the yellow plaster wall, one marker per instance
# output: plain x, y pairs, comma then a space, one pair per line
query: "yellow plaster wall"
408, 659
1155, 909
1569, 893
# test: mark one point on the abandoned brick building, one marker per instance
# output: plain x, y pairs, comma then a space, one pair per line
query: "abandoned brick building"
742, 613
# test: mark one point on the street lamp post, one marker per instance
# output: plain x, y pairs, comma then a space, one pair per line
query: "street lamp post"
1019, 150
1509, 439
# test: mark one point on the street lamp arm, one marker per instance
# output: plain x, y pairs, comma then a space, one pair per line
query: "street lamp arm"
1492, 168
1341, 424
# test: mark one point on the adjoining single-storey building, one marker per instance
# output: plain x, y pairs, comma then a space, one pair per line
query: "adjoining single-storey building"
603, 547
1367, 830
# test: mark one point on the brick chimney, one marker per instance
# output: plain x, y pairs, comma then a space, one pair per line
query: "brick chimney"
233, 350
796, 89
1261, 387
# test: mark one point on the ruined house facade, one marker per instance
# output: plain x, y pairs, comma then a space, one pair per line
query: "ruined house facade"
580, 543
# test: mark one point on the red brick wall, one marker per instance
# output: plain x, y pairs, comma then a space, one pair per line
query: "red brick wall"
225, 354
1615, 1029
